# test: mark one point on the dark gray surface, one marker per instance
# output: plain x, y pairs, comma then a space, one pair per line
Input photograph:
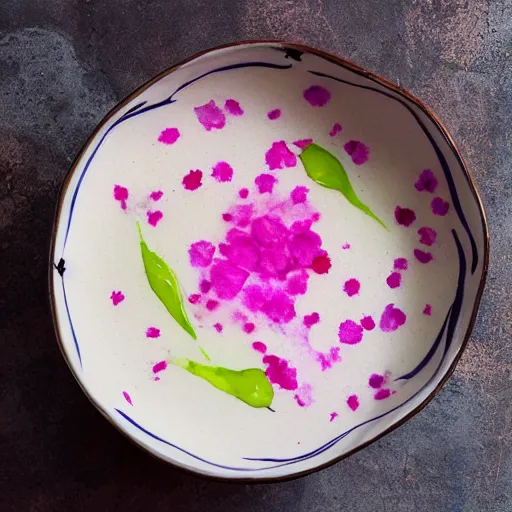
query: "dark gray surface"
63, 65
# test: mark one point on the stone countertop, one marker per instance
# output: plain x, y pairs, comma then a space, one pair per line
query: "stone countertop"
63, 65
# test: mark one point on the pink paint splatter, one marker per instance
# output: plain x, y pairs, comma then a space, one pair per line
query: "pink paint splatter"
427, 310
227, 217
345, 246
317, 96
333, 416
242, 250
218, 327
192, 181
426, 181
392, 318
352, 287
400, 264
279, 156
382, 394
205, 286
439, 206
279, 372
353, 402
243, 193
304, 395
128, 398
350, 333
427, 236
299, 195
227, 279
249, 327
195, 298
303, 143
404, 216
233, 107
254, 298
269, 231
117, 298
328, 360
160, 367
121, 195
210, 116
321, 264
259, 347
376, 381
222, 172
358, 151
274, 114
201, 253
156, 195
212, 305
169, 136
367, 323
310, 320
152, 332
423, 256
279, 308
394, 279
297, 284
265, 183
304, 248
335, 129
154, 217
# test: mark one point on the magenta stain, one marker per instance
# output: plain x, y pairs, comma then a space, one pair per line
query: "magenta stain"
333, 416
328, 360
305, 247
201, 253
304, 395
243, 193
427, 236
227, 217
156, 195
394, 279
279, 308
353, 402
299, 194
210, 116
279, 156
128, 398
382, 394
205, 286
404, 216
154, 217
400, 264
423, 256
156, 379
152, 332
439, 206
169, 136
222, 172
192, 181
117, 298
233, 107
427, 310
367, 323
392, 318
274, 114
345, 246
218, 327
352, 287
357, 151
310, 320
427, 181
242, 250
249, 327
265, 183
259, 347
376, 381
317, 96
195, 298
212, 305
321, 264
121, 195
241, 214
227, 279
335, 129
269, 231
254, 298
303, 143
278, 372
297, 284
350, 333
160, 367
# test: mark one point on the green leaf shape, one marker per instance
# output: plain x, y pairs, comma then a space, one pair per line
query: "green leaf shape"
250, 386
165, 285
326, 170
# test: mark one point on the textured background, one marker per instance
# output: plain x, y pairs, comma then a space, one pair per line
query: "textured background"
63, 65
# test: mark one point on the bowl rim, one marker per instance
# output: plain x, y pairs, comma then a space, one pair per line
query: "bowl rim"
347, 64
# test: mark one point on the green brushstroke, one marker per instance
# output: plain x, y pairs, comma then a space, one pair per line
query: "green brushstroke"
326, 170
205, 354
251, 385
164, 283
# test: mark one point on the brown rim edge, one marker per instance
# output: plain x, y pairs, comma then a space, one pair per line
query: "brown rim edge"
361, 71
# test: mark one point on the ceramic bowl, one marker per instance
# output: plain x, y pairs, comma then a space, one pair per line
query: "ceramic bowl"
265, 259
